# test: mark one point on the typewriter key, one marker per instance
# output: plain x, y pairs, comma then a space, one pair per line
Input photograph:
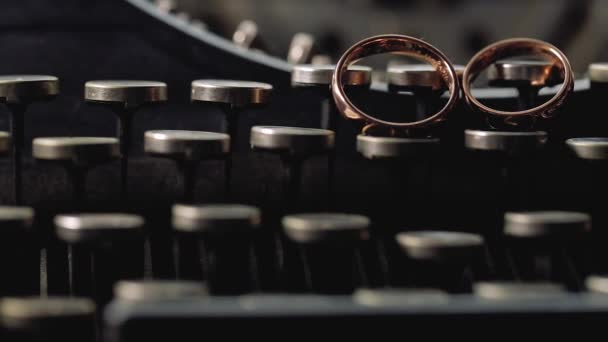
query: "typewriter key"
546, 223
232, 97
28, 319
226, 247
598, 74
318, 77
78, 155
509, 158
513, 144
18, 92
527, 76
441, 259
589, 148
125, 98
294, 145
518, 291
400, 298
400, 158
150, 290
19, 252
301, 48
597, 283
102, 249
329, 246
594, 154
544, 245
395, 148
423, 81
188, 149
309, 75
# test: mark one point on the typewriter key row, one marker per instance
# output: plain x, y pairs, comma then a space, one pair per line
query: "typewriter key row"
319, 253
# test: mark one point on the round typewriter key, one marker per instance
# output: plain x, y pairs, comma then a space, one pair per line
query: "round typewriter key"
19, 252
414, 76
546, 223
329, 250
318, 77
441, 259
407, 166
125, 98
597, 283
294, 145
545, 245
232, 97
26, 89
518, 291
125, 93
102, 249
598, 73
527, 76
528, 72
78, 155
18, 92
188, 149
233, 93
396, 298
505, 166
511, 143
309, 75
598, 77
48, 319
423, 81
226, 247
151, 290
439, 245
589, 148
294, 141
593, 153
395, 148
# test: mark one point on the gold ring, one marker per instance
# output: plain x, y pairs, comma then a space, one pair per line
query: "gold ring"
509, 48
402, 45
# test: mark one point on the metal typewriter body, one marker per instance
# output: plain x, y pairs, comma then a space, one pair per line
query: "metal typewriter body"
130, 39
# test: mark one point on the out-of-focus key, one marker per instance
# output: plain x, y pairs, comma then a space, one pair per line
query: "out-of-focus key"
125, 98
329, 246
18, 92
225, 234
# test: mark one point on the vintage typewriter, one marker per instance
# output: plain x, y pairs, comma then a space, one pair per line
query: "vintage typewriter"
172, 178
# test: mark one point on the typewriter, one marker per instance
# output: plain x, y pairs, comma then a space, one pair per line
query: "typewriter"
185, 170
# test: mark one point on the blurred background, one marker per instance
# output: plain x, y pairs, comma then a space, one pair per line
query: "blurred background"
457, 27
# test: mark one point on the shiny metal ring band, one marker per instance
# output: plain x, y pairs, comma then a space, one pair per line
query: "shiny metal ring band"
402, 45
514, 47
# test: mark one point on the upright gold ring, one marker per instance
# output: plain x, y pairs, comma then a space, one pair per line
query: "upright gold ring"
510, 48
402, 45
